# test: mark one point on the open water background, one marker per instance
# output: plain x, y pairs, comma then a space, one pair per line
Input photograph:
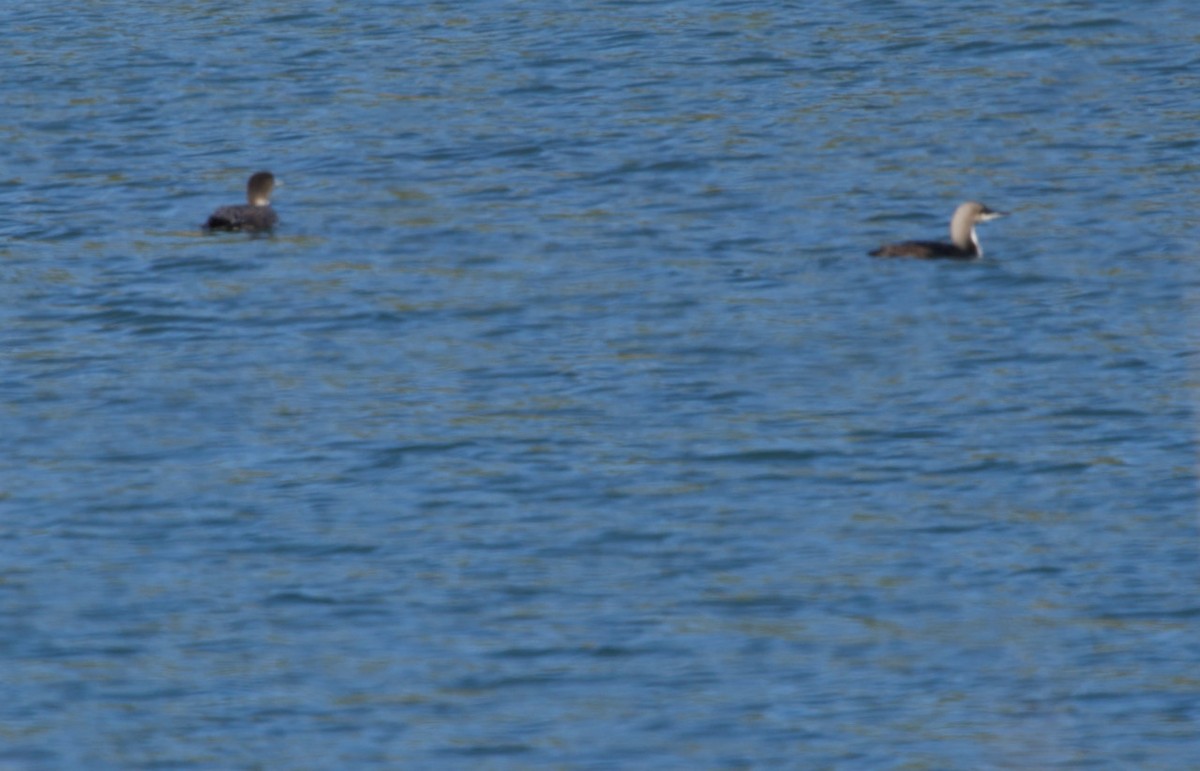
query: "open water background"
565, 423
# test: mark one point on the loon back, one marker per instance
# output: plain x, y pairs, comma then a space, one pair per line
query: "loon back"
242, 217
927, 250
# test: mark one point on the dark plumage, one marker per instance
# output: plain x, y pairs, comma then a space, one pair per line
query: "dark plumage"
255, 215
964, 246
928, 250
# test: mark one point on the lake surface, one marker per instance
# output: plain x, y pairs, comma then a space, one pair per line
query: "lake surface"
564, 422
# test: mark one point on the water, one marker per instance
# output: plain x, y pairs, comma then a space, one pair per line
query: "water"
565, 422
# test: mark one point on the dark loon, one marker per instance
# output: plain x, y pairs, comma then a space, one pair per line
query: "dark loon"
255, 215
962, 233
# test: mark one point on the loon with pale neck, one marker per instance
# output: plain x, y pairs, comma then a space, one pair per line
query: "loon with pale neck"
965, 244
255, 215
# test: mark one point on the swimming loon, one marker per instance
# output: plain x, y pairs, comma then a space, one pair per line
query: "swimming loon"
962, 233
256, 215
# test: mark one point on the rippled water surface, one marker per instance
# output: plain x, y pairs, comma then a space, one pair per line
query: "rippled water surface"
565, 422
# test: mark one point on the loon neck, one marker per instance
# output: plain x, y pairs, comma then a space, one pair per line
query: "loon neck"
962, 231
962, 228
974, 243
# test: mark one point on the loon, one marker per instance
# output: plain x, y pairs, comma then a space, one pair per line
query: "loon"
962, 233
255, 215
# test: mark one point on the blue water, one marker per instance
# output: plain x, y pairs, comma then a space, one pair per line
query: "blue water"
565, 422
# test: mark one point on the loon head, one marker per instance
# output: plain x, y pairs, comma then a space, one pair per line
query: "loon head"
258, 189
